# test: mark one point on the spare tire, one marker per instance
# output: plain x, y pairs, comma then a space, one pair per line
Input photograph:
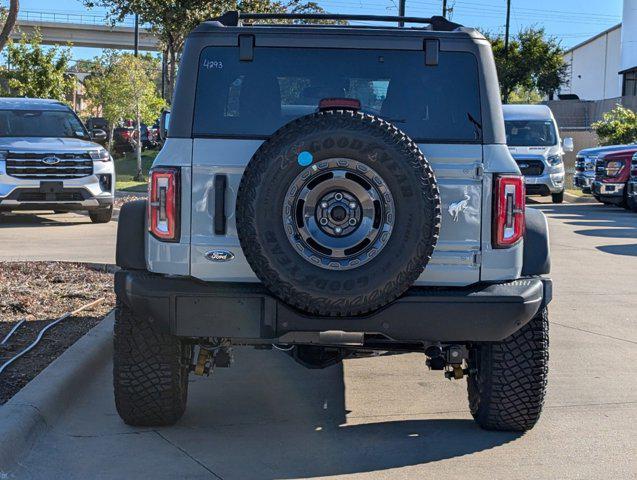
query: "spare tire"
338, 213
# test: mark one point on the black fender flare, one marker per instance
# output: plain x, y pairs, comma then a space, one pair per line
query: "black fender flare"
537, 251
130, 251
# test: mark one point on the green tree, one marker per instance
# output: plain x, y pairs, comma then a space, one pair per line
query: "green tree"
123, 87
9, 18
102, 90
172, 21
36, 72
523, 95
533, 63
144, 105
617, 127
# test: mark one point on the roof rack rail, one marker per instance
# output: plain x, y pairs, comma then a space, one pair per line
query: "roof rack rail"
233, 19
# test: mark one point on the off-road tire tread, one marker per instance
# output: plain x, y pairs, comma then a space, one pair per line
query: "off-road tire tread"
150, 378
324, 305
507, 392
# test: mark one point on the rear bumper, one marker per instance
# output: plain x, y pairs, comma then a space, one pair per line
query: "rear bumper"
249, 314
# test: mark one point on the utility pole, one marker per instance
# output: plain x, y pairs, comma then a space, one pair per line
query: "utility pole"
506, 31
444, 8
136, 35
506, 47
401, 12
164, 72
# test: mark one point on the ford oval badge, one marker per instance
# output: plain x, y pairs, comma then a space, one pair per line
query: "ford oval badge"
53, 160
219, 255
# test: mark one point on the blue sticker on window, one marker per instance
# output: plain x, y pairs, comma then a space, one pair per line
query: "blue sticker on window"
305, 158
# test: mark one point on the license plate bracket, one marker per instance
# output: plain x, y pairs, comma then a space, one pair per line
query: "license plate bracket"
50, 188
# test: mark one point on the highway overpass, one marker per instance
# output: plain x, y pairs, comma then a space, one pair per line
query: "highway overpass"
82, 31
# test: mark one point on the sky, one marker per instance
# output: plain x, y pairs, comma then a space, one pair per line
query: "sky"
571, 21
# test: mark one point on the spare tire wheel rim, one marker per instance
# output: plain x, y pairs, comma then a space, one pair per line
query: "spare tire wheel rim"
338, 214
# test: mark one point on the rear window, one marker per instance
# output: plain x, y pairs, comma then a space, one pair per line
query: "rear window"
253, 99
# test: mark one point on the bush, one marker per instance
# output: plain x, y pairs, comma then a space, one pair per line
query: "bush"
618, 127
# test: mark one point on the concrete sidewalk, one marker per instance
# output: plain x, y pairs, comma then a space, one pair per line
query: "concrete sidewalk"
388, 417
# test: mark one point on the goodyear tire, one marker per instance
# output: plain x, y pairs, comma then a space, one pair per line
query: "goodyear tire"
338, 213
150, 372
507, 380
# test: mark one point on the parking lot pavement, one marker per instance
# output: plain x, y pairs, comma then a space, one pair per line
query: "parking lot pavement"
388, 417
69, 237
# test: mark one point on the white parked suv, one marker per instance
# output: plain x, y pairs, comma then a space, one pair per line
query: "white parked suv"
534, 142
49, 161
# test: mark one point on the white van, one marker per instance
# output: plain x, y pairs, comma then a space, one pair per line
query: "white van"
534, 142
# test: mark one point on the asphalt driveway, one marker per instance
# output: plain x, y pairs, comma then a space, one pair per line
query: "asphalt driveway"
388, 417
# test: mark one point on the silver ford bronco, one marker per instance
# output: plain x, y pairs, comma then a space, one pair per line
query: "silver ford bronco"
334, 191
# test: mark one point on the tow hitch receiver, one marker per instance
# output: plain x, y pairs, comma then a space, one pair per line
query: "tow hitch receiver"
449, 358
206, 357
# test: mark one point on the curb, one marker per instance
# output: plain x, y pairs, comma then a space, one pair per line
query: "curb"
35, 408
570, 198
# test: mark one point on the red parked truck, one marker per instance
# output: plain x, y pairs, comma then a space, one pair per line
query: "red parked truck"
612, 173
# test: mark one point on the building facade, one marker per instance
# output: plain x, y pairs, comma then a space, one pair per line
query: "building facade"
605, 66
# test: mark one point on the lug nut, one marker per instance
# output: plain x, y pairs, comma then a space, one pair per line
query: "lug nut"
352, 205
323, 221
324, 205
352, 221
338, 196
338, 229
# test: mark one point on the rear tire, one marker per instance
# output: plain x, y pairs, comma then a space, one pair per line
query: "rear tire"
558, 197
103, 215
150, 372
507, 380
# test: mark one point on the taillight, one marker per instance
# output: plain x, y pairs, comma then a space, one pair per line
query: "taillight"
163, 204
633, 166
508, 214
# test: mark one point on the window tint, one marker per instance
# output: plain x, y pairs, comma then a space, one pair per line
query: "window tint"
40, 123
525, 133
254, 99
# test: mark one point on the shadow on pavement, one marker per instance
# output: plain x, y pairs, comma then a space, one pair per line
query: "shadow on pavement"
272, 419
630, 250
26, 220
611, 222
305, 453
